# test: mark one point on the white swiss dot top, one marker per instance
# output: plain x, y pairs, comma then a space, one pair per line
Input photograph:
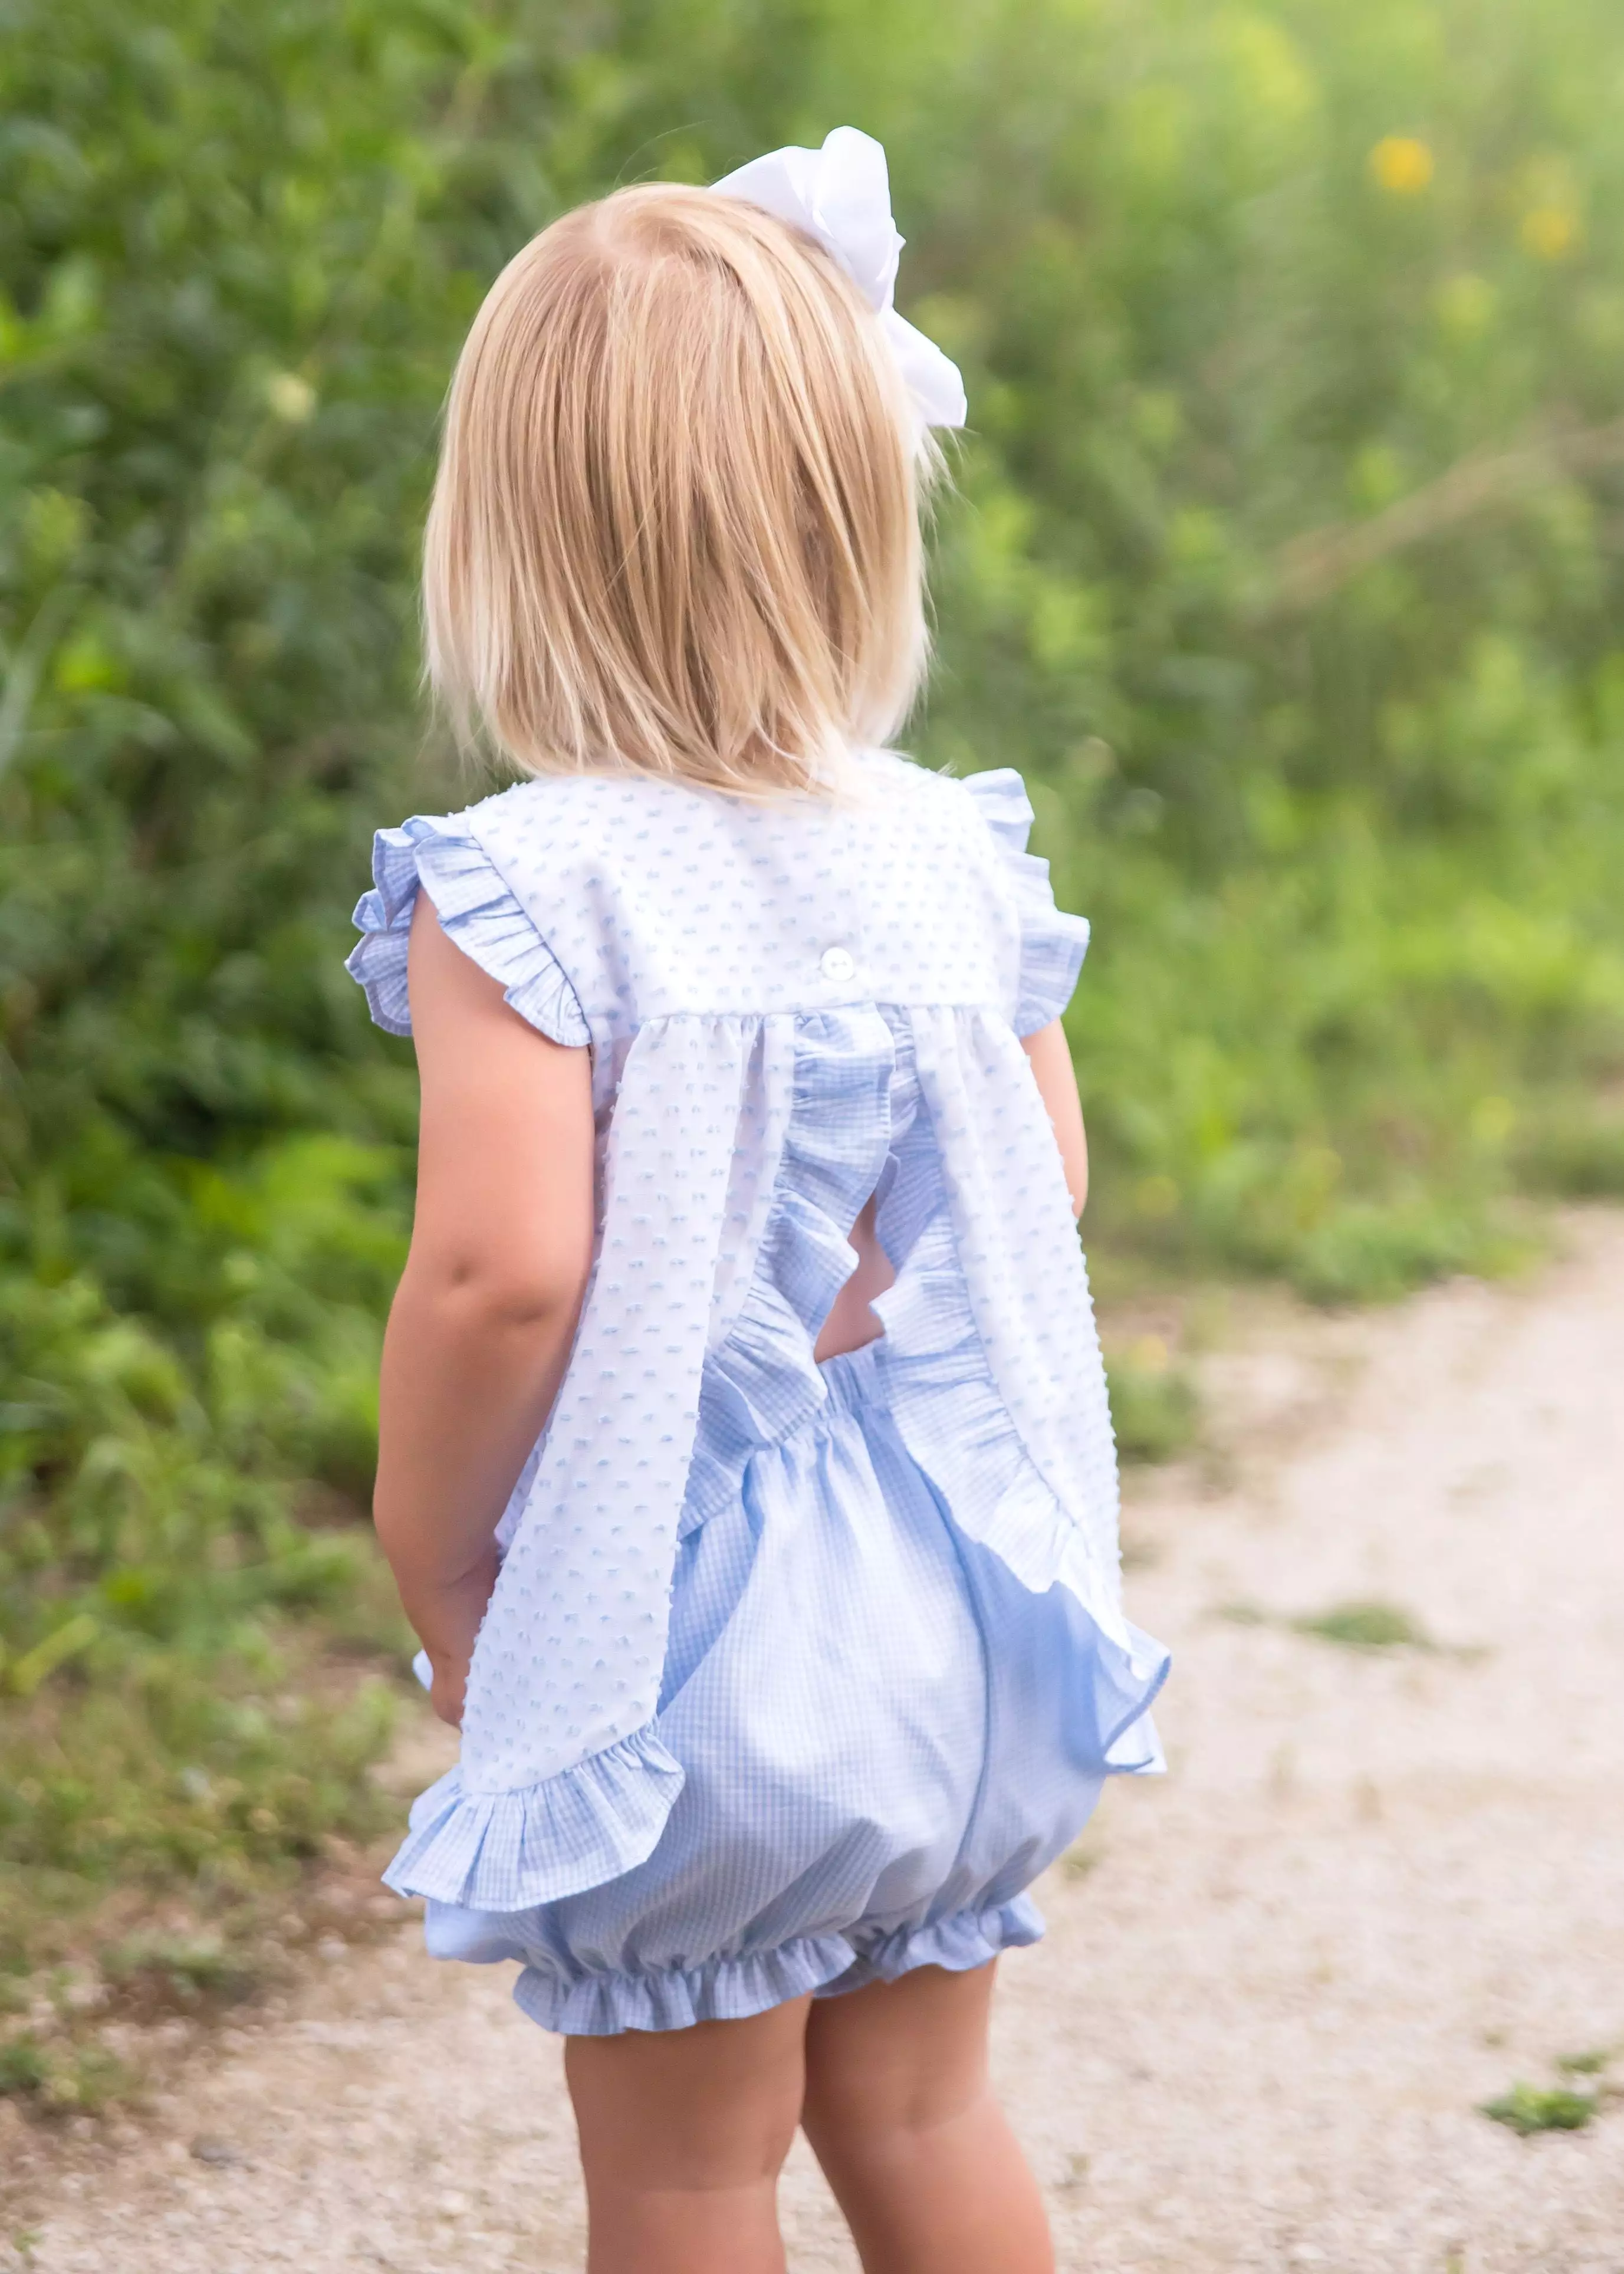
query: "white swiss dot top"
790, 1005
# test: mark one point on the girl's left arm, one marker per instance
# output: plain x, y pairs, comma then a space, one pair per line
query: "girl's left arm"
480, 1331
1051, 1066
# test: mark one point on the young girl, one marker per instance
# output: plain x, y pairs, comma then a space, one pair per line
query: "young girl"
746, 1466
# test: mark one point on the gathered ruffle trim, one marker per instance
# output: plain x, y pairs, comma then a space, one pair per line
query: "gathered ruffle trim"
958, 1433
475, 909
1122, 1672
1053, 946
509, 1851
958, 1944
732, 1989
762, 1382
1052, 943
675, 1998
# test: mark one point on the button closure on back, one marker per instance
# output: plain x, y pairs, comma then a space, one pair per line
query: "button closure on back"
836, 963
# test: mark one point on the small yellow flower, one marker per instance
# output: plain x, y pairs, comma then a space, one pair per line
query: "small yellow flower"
1401, 165
290, 397
1550, 232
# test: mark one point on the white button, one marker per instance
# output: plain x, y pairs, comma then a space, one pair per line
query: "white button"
836, 963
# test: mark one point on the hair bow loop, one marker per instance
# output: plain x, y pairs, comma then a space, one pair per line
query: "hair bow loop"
842, 195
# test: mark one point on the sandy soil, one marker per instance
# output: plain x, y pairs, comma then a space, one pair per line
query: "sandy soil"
1378, 1887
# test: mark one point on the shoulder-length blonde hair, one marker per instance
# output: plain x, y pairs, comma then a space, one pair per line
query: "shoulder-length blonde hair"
675, 527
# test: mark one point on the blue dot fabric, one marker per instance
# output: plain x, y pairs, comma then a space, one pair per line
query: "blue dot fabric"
795, 1676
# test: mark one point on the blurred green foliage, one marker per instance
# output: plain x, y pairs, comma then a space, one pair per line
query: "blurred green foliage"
1285, 561
1155, 1403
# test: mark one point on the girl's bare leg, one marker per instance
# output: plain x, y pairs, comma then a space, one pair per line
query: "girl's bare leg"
683, 2132
900, 2111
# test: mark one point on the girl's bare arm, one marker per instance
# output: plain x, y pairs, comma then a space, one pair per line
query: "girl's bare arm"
482, 1323
1051, 1064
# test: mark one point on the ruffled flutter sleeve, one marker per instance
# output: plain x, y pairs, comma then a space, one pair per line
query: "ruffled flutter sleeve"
1052, 943
475, 908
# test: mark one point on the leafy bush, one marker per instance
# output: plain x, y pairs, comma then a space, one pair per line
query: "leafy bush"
1285, 563
1291, 570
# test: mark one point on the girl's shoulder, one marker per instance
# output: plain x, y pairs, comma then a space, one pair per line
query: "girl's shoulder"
885, 789
603, 901
556, 810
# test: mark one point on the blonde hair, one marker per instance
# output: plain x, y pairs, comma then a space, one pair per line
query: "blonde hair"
675, 527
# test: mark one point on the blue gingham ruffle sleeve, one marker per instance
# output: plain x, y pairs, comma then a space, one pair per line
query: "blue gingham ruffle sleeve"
1052, 943
475, 909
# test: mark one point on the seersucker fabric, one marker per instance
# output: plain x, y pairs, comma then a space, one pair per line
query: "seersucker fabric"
795, 1676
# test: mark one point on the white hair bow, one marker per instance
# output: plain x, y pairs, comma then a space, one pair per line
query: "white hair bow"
842, 194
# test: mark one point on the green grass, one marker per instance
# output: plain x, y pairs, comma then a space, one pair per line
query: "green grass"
1528, 2108
24, 2067
1366, 1626
159, 1971
205, 1782
65, 2076
210, 1768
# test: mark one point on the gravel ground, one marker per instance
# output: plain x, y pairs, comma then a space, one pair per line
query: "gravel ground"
1377, 1887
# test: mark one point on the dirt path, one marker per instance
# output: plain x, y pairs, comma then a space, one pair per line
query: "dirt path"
1377, 1887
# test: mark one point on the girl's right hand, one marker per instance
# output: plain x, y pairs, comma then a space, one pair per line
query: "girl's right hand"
448, 1624
449, 1688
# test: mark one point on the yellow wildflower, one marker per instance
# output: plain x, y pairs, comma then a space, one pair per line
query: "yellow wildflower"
1401, 165
1550, 232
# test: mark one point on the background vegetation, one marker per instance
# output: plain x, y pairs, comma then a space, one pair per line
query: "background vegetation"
1285, 561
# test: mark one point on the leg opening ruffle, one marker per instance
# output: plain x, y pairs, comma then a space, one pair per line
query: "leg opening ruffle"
602, 2005
675, 1998
959, 1944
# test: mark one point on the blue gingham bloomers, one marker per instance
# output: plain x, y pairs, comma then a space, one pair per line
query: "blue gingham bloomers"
795, 1676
